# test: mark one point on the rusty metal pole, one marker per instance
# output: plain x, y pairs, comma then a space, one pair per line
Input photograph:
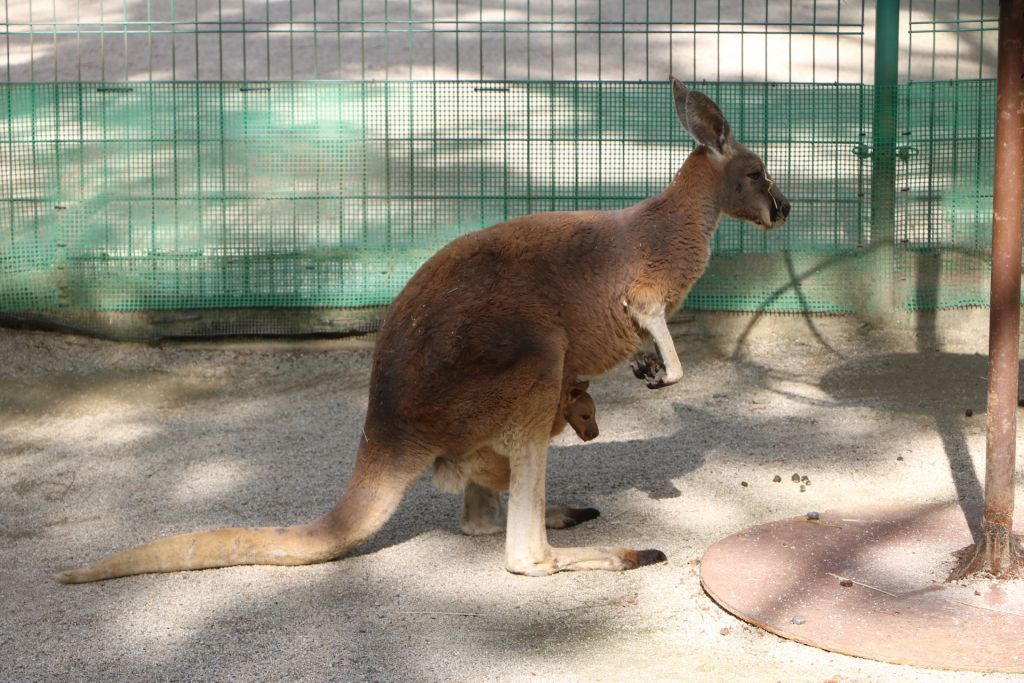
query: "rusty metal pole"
999, 552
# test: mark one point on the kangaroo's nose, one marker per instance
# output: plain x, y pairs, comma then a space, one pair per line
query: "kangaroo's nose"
781, 210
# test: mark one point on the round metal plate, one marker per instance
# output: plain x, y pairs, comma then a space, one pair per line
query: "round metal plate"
871, 582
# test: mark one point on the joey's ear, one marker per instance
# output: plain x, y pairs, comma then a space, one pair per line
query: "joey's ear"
575, 393
701, 118
581, 384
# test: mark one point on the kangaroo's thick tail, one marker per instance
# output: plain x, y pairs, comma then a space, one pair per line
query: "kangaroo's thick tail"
373, 494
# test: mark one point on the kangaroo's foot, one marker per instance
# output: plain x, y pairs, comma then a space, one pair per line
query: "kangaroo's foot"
562, 517
526, 546
576, 559
483, 511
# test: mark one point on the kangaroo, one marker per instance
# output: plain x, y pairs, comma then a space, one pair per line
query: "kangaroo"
580, 412
480, 474
477, 348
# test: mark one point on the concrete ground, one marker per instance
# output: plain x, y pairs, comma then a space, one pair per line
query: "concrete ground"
104, 445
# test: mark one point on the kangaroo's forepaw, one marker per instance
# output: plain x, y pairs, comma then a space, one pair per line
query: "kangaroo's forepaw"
646, 366
561, 517
662, 381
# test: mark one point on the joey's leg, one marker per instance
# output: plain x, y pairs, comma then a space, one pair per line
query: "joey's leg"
656, 324
483, 511
526, 544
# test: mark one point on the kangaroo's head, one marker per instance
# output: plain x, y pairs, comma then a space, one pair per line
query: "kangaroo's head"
747, 190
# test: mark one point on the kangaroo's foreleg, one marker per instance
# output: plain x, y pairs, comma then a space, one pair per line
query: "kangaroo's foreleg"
526, 545
654, 322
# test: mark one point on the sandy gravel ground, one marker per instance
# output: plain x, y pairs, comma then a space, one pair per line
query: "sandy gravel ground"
104, 444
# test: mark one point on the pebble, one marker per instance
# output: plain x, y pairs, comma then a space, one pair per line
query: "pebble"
799, 619
969, 412
846, 583
813, 516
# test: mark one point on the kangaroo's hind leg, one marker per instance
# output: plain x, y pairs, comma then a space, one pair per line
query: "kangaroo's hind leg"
526, 545
483, 511
483, 508
525, 443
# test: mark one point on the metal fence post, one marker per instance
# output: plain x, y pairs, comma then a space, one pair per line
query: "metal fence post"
999, 552
883, 164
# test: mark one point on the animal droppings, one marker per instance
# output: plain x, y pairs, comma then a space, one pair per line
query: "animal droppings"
805, 479
969, 412
743, 483
795, 478
846, 583
776, 479
802, 488
899, 457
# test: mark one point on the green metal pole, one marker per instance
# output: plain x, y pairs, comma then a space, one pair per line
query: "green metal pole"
883, 167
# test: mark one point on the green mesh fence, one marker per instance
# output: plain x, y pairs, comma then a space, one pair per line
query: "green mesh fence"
283, 166
328, 195
944, 182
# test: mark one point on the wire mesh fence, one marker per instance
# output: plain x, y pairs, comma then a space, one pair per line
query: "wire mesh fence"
109, 40
270, 167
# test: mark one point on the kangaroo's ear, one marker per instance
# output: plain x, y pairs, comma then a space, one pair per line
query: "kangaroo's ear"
701, 118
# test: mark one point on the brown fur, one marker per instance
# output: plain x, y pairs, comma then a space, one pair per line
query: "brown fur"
577, 409
475, 353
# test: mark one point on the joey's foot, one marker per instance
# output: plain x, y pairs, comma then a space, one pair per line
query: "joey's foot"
562, 517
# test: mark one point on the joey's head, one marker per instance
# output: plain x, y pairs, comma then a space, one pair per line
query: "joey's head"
580, 411
747, 190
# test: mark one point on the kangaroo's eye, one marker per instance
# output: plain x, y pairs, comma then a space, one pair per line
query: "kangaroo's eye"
756, 175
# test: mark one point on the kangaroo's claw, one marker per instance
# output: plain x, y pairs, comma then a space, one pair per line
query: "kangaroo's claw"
638, 370
646, 367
